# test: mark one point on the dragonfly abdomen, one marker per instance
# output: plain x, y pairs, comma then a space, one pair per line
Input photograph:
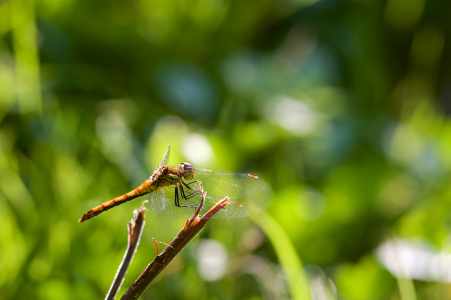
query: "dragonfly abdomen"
145, 188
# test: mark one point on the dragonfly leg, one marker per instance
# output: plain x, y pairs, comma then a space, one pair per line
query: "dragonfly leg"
196, 182
197, 188
182, 193
195, 192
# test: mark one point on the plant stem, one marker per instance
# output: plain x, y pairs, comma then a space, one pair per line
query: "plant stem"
135, 228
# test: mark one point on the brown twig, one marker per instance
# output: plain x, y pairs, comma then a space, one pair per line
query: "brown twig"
192, 227
135, 227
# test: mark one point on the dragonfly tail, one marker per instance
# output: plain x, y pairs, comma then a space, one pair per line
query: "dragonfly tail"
138, 192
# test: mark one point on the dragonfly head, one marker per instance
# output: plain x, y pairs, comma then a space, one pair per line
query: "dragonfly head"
187, 170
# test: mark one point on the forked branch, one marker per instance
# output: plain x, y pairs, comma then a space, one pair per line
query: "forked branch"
192, 227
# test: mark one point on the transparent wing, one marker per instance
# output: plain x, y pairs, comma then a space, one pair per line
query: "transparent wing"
163, 200
165, 159
235, 185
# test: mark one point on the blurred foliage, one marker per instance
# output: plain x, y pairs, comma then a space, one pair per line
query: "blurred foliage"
341, 106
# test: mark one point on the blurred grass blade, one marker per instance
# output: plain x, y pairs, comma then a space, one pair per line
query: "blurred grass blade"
28, 86
406, 288
286, 253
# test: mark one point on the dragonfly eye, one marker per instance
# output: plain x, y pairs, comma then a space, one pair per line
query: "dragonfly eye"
187, 170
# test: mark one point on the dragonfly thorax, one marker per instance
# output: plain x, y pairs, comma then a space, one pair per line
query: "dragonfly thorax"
187, 170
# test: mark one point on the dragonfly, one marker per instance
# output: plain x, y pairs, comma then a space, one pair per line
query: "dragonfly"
177, 191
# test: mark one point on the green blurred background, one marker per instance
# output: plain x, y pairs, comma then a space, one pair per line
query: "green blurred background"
342, 107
